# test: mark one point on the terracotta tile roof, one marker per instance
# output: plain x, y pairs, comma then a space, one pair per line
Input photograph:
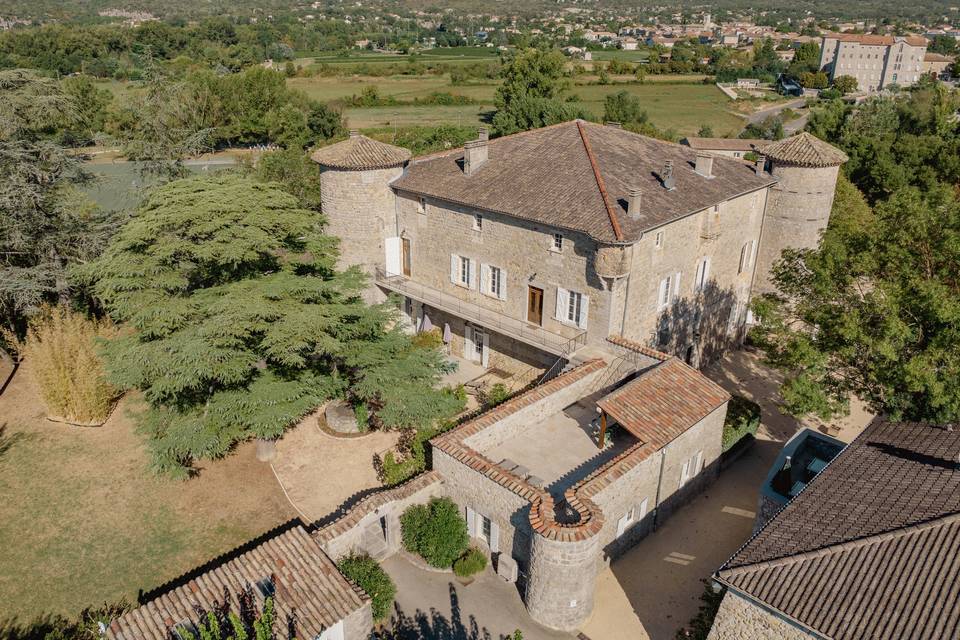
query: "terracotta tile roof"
306, 580
663, 402
805, 150
871, 548
870, 39
548, 176
722, 144
360, 153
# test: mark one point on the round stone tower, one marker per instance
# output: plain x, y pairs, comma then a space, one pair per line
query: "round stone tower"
356, 198
800, 203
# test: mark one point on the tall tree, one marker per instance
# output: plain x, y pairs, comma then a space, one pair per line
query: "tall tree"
874, 311
531, 94
241, 324
45, 223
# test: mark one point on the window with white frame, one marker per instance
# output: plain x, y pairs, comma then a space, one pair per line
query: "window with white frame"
703, 275
669, 291
746, 256
634, 515
462, 271
691, 467
493, 281
572, 307
557, 242
478, 222
658, 240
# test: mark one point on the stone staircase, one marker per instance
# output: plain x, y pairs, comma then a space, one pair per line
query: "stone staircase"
373, 541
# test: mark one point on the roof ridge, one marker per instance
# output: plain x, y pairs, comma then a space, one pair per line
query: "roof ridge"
846, 545
516, 134
611, 214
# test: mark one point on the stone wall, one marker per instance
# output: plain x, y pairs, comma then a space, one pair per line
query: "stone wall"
702, 319
359, 207
797, 214
505, 508
521, 248
358, 624
360, 529
562, 581
738, 619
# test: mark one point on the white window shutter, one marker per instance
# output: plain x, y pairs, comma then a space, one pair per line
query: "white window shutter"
622, 524
584, 309
698, 464
392, 247
662, 293
676, 286
706, 271
697, 279
494, 537
472, 272
468, 343
503, 284
471, 522
485, 357
684, 472
563, 300
484, 278
743, 257
753, 252
454, 268
642, 509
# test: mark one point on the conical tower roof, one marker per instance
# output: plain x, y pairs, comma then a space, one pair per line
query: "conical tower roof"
359, 153
804, 150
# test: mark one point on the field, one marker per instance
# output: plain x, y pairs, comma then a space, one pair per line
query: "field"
85, 521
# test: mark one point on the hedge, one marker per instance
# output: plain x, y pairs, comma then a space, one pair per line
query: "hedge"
743, 419
370, 577
435, 531
472, 562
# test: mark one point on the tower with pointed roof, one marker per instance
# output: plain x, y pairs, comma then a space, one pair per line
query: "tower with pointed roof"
799, 205
356, 198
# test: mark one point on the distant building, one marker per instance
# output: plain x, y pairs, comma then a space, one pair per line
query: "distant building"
748, 83
937, 65
869, 549
628, 44
875, 61
730, 147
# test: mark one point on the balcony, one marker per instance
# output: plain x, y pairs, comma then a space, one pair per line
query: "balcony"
535, 336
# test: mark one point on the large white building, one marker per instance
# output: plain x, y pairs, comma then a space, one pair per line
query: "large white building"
875, 61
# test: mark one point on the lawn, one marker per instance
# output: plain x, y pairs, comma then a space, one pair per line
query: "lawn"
85, 521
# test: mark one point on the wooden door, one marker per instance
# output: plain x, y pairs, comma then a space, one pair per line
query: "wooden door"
406, 257
535, 305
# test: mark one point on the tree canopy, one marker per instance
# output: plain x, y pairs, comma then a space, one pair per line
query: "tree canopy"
531, 94
239, 323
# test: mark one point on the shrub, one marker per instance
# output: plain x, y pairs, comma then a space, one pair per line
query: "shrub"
472, 562
743, 419
368, 574
61, 346
362, 414
432, 339
435, 531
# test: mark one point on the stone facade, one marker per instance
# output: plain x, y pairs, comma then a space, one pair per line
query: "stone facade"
739, 618
358, 624
797, 214
875, 61
562, 581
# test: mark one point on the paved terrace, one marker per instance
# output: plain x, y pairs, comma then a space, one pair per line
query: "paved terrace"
561, 450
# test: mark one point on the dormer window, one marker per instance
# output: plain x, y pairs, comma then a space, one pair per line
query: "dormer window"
477, 222
265, 587
557, 243
421, 205
658, 240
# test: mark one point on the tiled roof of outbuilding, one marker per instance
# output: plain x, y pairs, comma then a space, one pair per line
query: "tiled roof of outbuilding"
871, 548
663, 402
805, 150
360, 153
306, 580
577, 175
722, 144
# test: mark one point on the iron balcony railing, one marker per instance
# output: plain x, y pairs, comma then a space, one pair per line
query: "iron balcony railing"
524, 331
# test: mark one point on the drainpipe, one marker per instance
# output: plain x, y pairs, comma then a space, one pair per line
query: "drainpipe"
656, 503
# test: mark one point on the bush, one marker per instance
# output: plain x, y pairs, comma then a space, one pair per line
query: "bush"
362, 414
368, 574
61, 346
435, 531
743, 419
472, 562
432, 339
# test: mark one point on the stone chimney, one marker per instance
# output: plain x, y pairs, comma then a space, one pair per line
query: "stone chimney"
633, 202
354, 133
483, 134
669, 182
615, 125
761, 164
704, 165
474, 155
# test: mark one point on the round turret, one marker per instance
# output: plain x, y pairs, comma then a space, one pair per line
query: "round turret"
799, 207
356, 198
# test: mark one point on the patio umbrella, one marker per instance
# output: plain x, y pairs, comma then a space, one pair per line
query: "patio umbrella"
427, 325
447, 334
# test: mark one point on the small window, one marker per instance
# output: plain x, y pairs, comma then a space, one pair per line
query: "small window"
496, 282
716, 208
703, 274
477, 222
422, 205
658, 242
265, 585
574, 307
746, 256
557, 242
465, 271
